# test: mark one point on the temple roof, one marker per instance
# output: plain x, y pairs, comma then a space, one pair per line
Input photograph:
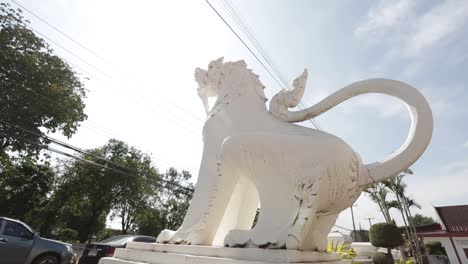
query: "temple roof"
454, 218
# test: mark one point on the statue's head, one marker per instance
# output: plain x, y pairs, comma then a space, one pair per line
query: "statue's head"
210, 81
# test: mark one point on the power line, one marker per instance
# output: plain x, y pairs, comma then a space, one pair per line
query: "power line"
58, 30
266, 56
88, 49
230, 9
241, 40
260, 47
76, 149
66, 145
70, 52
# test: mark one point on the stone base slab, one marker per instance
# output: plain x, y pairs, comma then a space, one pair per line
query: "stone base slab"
139, 253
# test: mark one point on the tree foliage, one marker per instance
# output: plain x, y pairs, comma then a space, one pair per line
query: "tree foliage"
37, 88
397, 187
124, 187
40, 93
168, 208
25, 183
132, 191
420, 220
385, 235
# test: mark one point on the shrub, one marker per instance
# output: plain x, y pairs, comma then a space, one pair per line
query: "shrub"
385, 235
67, 234
382, 258
435, 248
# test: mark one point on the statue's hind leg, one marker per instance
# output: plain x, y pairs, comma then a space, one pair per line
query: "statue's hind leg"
317, 238
241, 210
271, 229
305, 193
287, 186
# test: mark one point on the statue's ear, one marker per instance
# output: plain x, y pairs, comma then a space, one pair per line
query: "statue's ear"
241, 62
219, 60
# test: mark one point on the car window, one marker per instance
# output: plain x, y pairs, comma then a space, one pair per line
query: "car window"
145, 239
16, 230
119, 242
110, 239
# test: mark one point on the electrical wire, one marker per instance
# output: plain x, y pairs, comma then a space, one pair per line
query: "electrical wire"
70, 52
237, 17
89, 50
85, 153
265, 55
59, 31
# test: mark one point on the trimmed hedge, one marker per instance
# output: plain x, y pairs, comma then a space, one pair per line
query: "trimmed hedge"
385, 235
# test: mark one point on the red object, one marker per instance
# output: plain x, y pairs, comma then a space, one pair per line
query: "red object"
455, 218
109, 252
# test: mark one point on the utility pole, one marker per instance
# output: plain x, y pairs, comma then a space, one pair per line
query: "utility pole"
354, 226
370, 220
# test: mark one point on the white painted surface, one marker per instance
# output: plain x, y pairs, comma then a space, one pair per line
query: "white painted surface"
461, 243
364, 249
303, 178
447, 244
175, 254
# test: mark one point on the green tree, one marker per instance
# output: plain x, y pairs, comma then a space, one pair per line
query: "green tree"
133, 191
37, 88
378, 193
175, 197
114, 178
148, 222
25, 183
420, 220
168, 208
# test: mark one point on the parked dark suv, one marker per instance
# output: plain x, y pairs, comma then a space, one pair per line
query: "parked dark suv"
19, 244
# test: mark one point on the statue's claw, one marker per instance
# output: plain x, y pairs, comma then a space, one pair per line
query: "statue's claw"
165, 236
196, 235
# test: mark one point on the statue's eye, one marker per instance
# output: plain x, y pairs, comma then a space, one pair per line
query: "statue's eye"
211, 66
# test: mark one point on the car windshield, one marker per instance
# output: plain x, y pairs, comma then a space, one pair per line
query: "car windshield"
117, 240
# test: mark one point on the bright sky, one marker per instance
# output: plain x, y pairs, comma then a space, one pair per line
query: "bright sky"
148, 95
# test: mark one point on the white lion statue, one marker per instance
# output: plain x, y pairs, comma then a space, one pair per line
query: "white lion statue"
301, 178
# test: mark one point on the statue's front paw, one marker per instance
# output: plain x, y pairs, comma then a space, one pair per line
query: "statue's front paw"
165, 236
237, 238
250, 238
196, 235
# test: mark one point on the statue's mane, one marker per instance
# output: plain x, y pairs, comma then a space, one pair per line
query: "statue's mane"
242, 67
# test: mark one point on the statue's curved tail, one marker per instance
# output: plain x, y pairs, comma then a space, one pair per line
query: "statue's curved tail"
419, 135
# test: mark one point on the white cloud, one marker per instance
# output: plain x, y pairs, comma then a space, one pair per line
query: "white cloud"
416, 38
385, 15
385, 105
445, 186
438, 25
466, 144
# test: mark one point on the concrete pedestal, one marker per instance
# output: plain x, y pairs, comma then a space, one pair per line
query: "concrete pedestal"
139, 253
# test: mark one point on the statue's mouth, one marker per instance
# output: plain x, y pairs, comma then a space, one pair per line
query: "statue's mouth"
201, 77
